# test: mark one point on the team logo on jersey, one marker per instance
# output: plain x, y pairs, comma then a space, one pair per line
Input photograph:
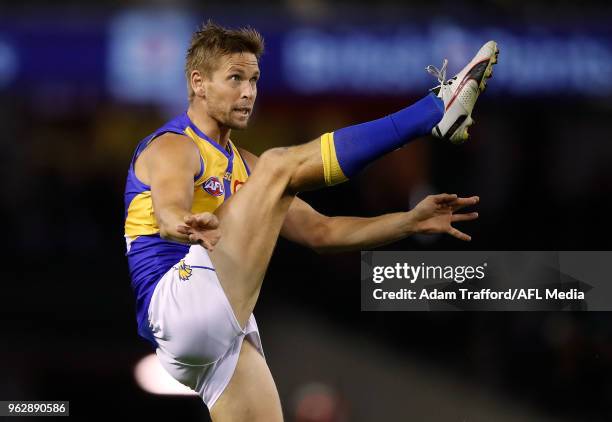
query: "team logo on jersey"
213, 186
184, 270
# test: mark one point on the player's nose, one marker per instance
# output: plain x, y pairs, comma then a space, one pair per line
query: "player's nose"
248, 91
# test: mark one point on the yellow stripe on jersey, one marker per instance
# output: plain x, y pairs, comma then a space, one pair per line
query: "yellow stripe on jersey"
141, 219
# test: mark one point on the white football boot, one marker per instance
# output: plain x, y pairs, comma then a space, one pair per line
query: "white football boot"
460, 93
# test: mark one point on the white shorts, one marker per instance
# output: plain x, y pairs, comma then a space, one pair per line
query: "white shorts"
198, 336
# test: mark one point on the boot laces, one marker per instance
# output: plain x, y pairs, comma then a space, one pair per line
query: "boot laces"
440, 74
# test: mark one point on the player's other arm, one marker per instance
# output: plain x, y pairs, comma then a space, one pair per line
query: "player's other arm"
434, 214
170, 164
324, 234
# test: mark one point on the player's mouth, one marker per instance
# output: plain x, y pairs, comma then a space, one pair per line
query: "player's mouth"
243, 111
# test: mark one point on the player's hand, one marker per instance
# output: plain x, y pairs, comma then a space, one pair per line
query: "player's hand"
435, 213
202, 229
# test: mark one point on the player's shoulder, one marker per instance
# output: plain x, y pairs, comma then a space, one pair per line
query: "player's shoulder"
173, 142
248, 156
169, 148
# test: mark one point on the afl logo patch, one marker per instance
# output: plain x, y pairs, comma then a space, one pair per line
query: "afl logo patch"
213, 186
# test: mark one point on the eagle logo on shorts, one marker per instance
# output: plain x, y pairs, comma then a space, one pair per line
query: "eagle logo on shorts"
184, 270
213, 186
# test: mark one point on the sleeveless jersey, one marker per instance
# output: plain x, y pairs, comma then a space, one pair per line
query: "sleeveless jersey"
149, 256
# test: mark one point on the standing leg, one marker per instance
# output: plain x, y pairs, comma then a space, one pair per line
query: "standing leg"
251, 394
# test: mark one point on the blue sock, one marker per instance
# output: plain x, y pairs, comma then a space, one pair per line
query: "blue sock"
356, 146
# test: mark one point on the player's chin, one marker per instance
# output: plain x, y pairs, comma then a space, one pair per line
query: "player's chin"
239, 124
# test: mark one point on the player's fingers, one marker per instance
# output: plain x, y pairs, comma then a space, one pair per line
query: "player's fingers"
464, 217
182, 228
194, 221
444, 198
203, 243
465, 202
208, 240
459, 234
189, 219
212, 236
207, 220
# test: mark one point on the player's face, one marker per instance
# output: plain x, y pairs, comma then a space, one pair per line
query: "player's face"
232, 89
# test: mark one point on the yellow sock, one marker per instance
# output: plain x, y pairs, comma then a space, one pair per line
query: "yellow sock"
331, 168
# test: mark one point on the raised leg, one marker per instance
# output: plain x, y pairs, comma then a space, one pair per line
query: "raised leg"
250, 221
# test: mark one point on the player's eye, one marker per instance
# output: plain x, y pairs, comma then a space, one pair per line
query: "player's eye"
235, 77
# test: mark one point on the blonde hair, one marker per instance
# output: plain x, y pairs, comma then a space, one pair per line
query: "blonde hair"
213, 41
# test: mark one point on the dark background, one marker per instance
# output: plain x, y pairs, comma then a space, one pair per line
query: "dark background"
539, 158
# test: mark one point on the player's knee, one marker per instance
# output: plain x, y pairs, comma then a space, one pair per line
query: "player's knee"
277, 162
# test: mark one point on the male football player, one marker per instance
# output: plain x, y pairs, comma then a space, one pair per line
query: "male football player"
203, 216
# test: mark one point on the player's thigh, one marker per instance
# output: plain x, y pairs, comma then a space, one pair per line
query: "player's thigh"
251, 394
250, 222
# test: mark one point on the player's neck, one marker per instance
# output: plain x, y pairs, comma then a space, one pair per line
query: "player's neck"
210, 127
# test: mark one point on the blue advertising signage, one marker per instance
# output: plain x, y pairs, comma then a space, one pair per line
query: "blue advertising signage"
138, 56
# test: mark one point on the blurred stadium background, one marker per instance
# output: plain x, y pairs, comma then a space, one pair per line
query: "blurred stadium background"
80, 85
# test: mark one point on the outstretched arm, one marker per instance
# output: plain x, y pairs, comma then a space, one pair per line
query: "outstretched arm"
306, 226
434, 214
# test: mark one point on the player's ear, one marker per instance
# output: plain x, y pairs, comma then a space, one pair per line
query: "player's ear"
197, 83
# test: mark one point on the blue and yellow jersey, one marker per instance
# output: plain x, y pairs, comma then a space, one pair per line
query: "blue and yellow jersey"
222, 171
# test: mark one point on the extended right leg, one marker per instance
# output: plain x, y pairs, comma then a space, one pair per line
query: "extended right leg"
250, 221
